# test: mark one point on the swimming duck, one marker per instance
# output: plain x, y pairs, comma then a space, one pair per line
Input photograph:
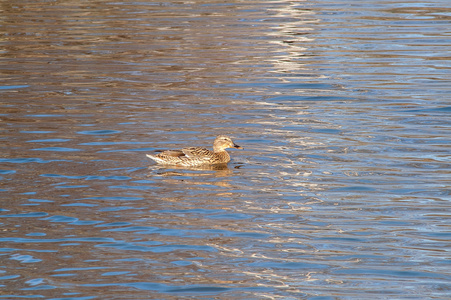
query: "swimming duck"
197, 156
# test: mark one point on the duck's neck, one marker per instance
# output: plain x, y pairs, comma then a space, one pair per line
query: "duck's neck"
218, 149
223, 155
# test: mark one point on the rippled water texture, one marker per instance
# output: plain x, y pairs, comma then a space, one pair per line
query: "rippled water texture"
342, 190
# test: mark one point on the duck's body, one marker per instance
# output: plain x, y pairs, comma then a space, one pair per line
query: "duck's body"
197, 156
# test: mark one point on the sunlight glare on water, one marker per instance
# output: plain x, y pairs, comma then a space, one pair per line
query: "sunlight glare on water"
342, 190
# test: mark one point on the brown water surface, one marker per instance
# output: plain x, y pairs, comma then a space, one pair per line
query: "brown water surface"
342, 190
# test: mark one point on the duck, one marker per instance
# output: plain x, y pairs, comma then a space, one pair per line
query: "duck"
197, 156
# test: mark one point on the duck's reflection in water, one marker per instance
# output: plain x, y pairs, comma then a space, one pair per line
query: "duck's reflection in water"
180, 174
162, 170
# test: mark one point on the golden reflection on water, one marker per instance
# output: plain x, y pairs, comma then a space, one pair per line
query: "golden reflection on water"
292, 34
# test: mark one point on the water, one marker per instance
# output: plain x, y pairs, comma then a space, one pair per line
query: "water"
342, 190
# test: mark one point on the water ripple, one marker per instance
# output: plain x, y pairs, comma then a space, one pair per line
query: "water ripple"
342, 187
99, 132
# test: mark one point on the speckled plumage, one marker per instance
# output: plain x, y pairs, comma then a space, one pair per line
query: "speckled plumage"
197, 156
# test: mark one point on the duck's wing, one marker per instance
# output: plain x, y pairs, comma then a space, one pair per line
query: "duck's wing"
172, 153
167, 157
197, 152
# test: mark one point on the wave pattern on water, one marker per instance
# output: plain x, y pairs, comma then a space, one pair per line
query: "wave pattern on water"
342, 189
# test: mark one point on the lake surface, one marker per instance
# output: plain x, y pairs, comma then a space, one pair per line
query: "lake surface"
342, 190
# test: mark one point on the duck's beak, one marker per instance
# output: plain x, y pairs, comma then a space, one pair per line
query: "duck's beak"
236, 146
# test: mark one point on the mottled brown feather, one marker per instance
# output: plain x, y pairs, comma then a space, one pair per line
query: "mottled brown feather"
197, 156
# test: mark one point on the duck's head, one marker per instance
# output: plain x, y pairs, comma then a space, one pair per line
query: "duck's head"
223, 142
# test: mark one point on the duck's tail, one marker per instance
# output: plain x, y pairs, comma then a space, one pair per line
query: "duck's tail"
155, 158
